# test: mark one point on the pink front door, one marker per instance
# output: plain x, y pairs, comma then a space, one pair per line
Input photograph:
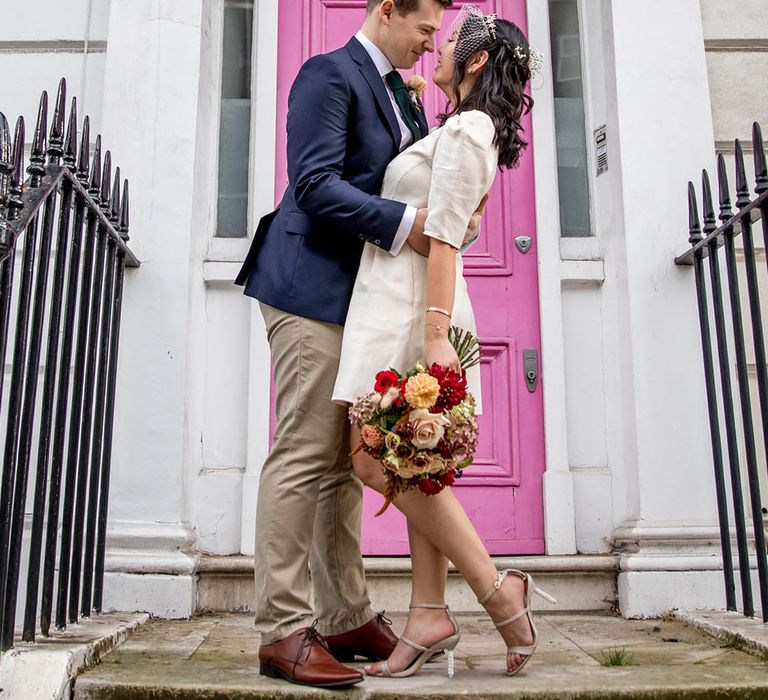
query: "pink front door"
502, 490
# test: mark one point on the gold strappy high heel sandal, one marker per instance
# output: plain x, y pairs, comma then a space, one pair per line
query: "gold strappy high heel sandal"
526, 651
426, 653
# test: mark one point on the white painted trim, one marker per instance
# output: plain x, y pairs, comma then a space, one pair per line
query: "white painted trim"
559, 513
582, 271
214, 58
589, 106
264, 115
204, 203
581, 248
680, 563
149, 547
665, 565
219, 272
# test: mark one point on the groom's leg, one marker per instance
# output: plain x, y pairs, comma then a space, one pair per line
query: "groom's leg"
305, 356
338, 577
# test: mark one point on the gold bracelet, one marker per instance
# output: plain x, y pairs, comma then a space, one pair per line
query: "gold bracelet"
440, 328
439, 310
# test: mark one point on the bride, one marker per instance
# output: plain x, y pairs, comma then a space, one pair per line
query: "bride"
402, 308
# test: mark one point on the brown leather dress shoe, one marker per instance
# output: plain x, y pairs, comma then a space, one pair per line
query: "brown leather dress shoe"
374, 640
303, 657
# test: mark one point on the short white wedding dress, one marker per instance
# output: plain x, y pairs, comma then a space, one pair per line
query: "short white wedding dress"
448, 171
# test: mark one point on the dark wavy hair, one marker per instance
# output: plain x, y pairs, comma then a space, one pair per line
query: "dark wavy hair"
500, 88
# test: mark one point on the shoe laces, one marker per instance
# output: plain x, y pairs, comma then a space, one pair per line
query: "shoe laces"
310, 637
384, 619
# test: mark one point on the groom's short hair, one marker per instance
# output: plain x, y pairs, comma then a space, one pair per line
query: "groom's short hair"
403, 7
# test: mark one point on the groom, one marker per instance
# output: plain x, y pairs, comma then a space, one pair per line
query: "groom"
349, 115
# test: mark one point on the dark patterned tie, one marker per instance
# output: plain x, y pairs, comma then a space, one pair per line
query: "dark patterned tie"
396, 84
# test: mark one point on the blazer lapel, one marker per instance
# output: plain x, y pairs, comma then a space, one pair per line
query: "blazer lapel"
376, 83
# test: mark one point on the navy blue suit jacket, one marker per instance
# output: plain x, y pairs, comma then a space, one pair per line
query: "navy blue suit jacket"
342, 134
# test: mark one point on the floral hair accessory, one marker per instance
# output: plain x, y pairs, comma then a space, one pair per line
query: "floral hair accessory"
490, 22
533, 58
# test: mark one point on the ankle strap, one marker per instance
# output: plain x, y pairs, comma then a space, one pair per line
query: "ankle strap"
496, 585
430, 606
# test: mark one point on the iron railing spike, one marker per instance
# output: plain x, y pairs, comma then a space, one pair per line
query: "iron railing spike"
70, 150
724, 189
83, 167
37, 158
742, 188
761, 170
6, 163
106, 181
56, 142
6, 146
124, 215
94, 187
707, 210
114, 202
694, 226
17, 174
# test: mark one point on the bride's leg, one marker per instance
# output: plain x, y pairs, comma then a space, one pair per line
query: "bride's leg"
441, 520
425, 626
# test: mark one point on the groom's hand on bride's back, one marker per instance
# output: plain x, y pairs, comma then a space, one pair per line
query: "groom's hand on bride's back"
420, 243
473, 230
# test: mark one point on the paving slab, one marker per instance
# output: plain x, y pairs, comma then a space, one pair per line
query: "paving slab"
44, 669
668, 658
747, 633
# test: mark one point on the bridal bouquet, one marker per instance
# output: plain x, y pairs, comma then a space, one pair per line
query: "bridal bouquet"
421, 425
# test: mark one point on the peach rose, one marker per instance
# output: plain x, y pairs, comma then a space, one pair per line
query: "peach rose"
416, 83
429, 428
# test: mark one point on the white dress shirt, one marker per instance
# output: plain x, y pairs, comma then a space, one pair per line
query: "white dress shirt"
384, 66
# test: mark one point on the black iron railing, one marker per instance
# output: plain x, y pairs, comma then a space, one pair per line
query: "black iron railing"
68, 225
725, 298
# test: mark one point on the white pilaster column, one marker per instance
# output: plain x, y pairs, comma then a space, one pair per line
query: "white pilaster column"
263, 197
662, 136
559, 512
150, 121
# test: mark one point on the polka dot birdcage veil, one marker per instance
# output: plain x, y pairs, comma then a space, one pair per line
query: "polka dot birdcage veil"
472, 31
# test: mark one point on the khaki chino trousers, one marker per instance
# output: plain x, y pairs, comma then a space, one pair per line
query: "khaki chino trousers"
310, 503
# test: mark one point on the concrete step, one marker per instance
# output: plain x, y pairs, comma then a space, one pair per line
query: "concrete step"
214, 657
580, 583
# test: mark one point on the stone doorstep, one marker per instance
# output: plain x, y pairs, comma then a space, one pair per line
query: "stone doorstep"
45, 668
215, 657
579, 582
749, 634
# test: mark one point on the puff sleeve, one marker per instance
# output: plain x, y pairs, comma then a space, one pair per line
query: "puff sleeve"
463, 169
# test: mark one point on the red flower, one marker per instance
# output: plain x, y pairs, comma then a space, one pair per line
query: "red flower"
404, 429
445, 449
430, 487
453, 387
385, 380
447, 479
